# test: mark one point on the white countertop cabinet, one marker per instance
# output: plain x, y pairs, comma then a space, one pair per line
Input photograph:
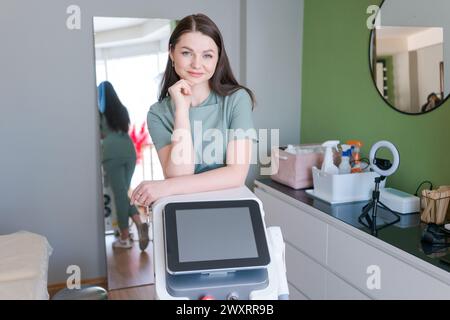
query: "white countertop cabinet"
329, 259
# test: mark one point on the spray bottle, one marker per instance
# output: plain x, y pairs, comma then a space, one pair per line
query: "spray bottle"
328, 163
345, 166
290, 149
356, 158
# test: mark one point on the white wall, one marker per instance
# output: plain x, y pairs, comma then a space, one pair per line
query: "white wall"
401, 81
273, 66
427, 38
428, 67
390, 46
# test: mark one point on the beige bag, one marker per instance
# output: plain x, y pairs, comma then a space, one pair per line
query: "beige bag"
436, 205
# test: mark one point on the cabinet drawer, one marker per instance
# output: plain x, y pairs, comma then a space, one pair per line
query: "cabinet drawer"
305, 274
302, 230
350, 258
294, 294
338, 289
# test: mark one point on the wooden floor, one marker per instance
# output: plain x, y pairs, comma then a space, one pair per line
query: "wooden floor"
136, 293
129, 267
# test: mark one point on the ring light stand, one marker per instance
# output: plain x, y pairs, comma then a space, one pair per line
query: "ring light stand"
384, 168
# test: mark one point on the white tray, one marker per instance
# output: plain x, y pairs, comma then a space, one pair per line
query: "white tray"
356, 199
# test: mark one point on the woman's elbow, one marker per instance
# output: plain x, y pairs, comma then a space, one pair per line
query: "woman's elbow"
241, 182
239, 175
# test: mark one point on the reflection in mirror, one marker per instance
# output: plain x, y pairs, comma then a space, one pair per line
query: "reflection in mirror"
130, 58
408, 67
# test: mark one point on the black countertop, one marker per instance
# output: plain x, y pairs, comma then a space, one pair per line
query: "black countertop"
405, 235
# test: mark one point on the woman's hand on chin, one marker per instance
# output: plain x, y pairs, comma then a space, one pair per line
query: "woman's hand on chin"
148, 192
181, 93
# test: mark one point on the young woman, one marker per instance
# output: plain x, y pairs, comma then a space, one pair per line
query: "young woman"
119, 161
202, 124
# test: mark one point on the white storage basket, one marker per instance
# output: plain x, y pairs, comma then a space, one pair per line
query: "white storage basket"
340, 188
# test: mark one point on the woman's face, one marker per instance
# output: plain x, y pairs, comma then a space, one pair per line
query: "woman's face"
195, 57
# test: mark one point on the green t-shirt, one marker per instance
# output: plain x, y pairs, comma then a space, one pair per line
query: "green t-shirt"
115, 144
214, 122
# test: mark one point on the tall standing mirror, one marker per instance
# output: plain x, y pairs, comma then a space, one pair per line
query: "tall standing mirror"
130, 58
408, 62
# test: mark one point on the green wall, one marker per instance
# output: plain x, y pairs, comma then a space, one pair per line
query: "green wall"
340, 101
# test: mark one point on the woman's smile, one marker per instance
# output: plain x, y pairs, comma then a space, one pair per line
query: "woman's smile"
195, 74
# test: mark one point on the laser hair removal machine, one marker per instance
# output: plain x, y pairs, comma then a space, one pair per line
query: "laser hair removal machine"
215, 245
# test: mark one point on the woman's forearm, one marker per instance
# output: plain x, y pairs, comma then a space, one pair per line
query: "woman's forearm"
217, 179
181, 161
231, 176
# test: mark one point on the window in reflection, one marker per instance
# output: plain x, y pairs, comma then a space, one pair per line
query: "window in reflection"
136, 80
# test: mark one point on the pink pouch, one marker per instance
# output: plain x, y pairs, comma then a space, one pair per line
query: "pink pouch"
295, 170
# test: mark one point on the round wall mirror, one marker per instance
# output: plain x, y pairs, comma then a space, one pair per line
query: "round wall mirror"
408, 54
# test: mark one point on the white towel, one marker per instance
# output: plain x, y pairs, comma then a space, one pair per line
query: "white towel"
24, 260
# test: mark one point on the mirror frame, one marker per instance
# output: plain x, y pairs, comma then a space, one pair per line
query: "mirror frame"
371, 67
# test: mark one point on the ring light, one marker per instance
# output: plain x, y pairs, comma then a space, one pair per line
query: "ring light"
395, 154
384, 168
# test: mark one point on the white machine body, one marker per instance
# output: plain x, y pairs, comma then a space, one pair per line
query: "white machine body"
277, 287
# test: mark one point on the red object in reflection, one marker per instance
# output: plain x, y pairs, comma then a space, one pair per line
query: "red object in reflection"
140, 139
207, 298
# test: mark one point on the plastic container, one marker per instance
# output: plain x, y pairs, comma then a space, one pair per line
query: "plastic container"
341, 188
295, 170
399, 201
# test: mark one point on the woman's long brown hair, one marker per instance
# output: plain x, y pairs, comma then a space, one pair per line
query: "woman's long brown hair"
223, 81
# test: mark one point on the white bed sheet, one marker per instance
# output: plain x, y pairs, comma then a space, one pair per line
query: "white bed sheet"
24, 260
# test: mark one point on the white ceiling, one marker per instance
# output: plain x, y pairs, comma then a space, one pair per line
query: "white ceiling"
107, 24
114, 32
394, 40
399, 32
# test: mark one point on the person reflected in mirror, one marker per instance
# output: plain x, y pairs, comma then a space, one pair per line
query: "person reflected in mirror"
119, 161
432, 102
199, 88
